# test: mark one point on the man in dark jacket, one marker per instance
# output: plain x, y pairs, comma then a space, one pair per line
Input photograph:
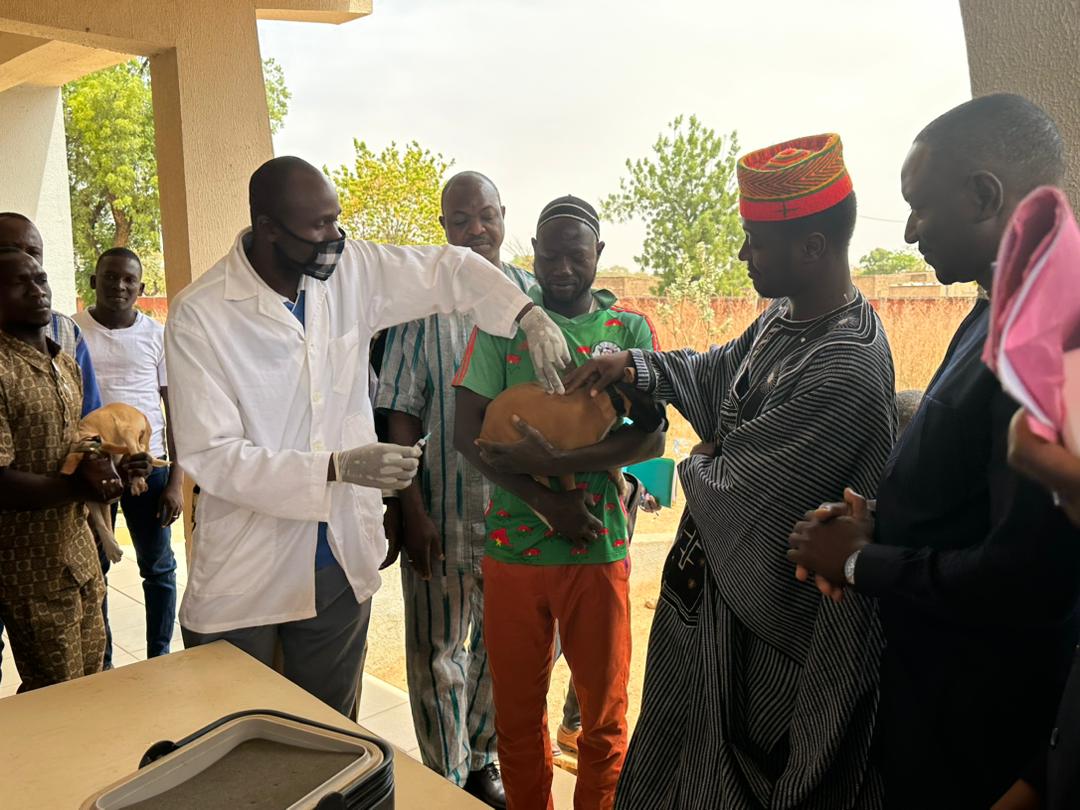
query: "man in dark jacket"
975, 570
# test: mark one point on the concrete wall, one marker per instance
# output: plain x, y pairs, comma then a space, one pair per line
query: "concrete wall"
34, 178
1031, 47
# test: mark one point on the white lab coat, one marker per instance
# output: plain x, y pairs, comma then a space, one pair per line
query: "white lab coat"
258, 403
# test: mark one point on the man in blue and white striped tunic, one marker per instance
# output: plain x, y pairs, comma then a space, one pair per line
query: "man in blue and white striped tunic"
442, 517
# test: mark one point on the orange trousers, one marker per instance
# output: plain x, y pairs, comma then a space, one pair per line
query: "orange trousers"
591, 604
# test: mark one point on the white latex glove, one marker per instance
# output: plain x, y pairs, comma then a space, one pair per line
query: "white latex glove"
547, 347
380, 466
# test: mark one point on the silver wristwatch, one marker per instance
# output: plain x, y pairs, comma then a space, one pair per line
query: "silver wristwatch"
849, 567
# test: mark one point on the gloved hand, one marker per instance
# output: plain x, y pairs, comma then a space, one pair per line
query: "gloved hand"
547, 347
381, 466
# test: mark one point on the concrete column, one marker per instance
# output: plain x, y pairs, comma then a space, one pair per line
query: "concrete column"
1031, 47
208, 143
34, 178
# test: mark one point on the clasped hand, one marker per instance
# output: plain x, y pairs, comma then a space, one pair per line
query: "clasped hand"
822, 542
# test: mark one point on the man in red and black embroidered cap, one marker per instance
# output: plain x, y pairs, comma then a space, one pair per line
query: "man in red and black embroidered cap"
794, 179
759, 691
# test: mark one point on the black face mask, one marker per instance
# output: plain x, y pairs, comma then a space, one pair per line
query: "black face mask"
323, 259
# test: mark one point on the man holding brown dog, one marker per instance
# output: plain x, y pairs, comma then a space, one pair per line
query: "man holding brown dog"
50, 581
556, 554
18, 231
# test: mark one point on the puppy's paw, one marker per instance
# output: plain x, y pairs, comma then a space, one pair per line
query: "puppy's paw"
114, 552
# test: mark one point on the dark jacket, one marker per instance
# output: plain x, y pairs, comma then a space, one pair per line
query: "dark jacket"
1062, 791
977, 575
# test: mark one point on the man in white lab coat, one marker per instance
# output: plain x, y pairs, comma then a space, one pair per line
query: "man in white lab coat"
268, 359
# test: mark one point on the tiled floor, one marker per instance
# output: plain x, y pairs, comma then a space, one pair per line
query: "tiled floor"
384, 709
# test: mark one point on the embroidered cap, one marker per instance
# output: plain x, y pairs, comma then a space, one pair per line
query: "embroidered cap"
793, 179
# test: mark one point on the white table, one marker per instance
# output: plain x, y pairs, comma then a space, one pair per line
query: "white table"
61, 744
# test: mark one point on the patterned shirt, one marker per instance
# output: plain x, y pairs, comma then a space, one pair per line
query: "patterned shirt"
418, 368
491, 365
42, 551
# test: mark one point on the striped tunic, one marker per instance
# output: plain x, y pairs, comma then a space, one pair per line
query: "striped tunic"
759, 692
418, 366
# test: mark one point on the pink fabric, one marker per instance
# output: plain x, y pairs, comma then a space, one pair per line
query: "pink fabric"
1035, 312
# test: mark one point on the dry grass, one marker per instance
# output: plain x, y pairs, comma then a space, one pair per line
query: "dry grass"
919, 332
919, 329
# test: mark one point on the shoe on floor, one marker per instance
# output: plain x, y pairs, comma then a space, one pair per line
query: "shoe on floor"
567, 738
486, 785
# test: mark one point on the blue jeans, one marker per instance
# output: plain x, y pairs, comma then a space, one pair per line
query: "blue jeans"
157, 565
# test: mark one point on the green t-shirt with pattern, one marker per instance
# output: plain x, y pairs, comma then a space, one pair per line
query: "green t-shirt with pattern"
515, 534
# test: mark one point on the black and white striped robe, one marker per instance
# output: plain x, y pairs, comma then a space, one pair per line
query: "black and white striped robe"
759, 692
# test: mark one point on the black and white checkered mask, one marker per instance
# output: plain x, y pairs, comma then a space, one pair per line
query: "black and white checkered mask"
324, 255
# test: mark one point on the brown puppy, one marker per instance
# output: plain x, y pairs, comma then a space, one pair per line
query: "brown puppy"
567, 422
117, 430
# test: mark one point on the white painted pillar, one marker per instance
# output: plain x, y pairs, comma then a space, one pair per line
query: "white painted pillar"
34, 178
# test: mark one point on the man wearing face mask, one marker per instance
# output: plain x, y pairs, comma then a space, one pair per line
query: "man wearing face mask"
268, 363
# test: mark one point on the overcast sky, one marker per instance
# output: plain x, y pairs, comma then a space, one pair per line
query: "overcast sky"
551, 97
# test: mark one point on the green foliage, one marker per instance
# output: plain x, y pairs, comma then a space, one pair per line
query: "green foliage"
687, 195
277, 94
522, 261
112, 167
614, 270
112, 170
883, 262
392, 197
521, 254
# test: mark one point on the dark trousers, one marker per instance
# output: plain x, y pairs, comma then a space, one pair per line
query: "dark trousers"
323, 655
157, 564
105, 566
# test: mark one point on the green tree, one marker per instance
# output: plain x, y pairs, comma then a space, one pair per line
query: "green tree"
687, 195
112, 170
112, 167
521, 254
392, 197
277, 94
884, 262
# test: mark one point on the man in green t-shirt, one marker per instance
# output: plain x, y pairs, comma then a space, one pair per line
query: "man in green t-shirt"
570, 566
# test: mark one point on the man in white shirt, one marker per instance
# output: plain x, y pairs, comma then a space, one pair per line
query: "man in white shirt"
129, 359
268, 354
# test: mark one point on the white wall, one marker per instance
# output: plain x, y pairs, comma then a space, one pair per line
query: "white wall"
34, 178
1031, 47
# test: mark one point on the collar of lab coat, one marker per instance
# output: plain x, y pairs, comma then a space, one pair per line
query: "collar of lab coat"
242, 283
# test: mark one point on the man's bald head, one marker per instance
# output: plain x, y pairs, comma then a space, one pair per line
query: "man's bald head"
19, 232
472, 214
965, 174
294, 215
1002, 133
272, 185
471, 180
